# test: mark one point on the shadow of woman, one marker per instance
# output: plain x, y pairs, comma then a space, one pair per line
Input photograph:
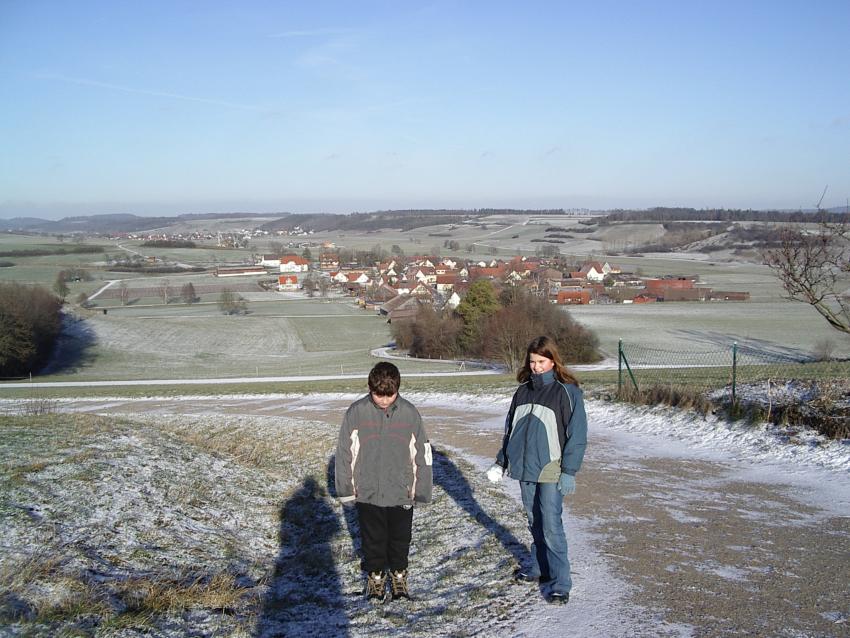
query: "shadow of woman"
454, 483
305, 596
351, 523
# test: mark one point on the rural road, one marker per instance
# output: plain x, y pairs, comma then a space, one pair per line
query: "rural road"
385, 352
226, 380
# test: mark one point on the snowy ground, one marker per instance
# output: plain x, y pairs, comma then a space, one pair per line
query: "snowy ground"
681, 526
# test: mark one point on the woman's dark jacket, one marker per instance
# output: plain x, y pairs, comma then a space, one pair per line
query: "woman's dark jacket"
545, 430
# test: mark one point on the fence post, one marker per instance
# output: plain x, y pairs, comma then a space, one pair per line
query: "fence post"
619, 366
734, 370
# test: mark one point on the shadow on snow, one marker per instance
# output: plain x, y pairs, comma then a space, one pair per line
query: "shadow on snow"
305, 594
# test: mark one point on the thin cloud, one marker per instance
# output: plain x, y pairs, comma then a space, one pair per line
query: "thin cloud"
132, 90
312, 33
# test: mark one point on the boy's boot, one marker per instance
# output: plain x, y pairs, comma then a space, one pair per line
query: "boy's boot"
398, 584
376, 586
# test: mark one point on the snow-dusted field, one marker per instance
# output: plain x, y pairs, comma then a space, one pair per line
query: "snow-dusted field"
769, 327
211, 516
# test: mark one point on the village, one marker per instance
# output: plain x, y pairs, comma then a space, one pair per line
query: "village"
397, 286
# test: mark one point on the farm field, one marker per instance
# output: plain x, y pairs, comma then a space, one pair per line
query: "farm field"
778, 326
303, 337
43, 269
488, 237
291, 334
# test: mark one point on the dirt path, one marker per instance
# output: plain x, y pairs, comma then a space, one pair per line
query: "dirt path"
702, 546
701, 543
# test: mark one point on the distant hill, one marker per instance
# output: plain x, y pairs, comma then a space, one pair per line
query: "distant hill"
664, 214
110, 223
24, 223
398, 219
376, 220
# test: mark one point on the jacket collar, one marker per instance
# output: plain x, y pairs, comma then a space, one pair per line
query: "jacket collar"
392, 407
540, 381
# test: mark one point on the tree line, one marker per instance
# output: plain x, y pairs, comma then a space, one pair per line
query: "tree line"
721, 215
169, 243
494, 326
30, 322
43, 252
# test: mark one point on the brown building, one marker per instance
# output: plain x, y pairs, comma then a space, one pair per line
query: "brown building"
574, 297
729, 295
657, 286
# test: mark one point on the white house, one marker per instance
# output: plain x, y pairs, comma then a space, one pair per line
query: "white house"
270, 261
294, 263
453, 301
287, 282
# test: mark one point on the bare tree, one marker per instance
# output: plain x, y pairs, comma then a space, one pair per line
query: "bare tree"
814, 268
324, 286
232, 304
508, 334
309, 286
60, 287
430, 334
188, 293
124, 293
164, 290
824, 349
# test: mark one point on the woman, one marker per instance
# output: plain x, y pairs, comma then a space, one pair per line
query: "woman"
543, 447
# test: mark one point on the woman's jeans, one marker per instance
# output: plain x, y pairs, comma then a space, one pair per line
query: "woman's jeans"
543, 505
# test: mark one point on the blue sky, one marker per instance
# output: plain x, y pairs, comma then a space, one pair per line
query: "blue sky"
174, 107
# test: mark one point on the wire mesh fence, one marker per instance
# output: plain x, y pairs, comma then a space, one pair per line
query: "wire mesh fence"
728, 368
783, 385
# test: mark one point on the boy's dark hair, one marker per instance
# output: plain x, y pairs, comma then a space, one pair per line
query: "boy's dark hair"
384, 379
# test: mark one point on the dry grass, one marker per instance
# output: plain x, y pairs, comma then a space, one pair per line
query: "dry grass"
158, 596
52, 596
18, 574
262, 448
676, 396
18, 473
218, 525
826, 408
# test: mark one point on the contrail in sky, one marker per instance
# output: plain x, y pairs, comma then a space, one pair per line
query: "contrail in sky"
130, 89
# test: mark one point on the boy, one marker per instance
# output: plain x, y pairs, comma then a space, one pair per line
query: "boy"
383, 463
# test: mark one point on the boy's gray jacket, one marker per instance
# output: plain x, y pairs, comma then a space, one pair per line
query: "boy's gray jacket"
383, 456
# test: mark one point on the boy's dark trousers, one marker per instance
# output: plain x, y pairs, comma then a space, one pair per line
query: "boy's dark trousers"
385, 534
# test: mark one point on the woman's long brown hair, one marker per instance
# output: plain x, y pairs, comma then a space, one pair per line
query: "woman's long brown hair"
545, 347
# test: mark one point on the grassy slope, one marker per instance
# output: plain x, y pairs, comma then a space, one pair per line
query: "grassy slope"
171, 524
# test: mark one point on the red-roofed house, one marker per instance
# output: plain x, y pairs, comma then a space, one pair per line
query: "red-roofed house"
592, 271
445, 283
294, 263
328, 261
287, 282
573, 296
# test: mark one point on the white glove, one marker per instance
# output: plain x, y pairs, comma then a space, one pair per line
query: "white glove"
495, 473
